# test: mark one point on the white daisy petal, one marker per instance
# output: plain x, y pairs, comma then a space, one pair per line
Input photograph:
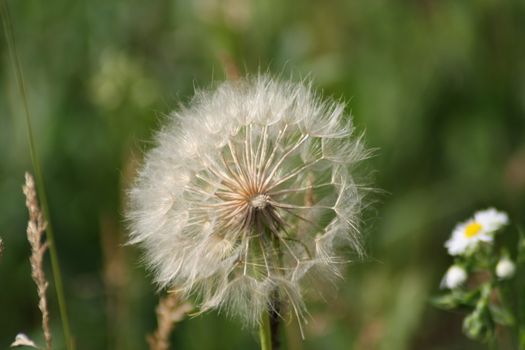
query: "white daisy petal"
491, 219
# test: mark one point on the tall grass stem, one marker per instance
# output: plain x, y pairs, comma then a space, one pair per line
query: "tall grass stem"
11, 44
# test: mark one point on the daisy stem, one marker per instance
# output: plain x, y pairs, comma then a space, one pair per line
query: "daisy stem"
265, 336
8, 30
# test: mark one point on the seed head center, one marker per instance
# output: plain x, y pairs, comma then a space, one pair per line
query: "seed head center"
259, 201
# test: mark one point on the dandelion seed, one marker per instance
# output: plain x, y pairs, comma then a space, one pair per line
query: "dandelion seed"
248, 190
454, 277
467, 235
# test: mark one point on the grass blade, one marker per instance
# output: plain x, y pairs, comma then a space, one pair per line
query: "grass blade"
11, 45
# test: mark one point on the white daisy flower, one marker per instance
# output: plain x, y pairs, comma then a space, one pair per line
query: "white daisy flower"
491, 220
454, 277
248, 190
505, 268
467, 235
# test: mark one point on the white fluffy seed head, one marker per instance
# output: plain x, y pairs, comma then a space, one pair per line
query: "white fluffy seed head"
248, 190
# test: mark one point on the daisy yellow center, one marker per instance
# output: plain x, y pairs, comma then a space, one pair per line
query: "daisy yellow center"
472, 229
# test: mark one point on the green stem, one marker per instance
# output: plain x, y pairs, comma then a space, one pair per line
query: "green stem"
275, 308
8, 30
275, 320
520, 289
265, 333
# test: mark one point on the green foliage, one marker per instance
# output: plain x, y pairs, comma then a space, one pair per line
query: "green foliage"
455, 299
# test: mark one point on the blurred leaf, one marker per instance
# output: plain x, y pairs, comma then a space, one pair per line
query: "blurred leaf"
477, 325
446, 302
455, 299
501, 315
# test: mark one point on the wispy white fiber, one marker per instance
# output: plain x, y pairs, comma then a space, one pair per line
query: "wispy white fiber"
248, 190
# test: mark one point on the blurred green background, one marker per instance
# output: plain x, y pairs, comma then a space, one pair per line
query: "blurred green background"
437, 86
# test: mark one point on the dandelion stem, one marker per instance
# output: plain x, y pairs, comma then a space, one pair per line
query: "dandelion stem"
8, 30
275, 320
274, 309
265, 335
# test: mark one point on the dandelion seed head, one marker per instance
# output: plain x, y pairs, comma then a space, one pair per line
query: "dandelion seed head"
248, 189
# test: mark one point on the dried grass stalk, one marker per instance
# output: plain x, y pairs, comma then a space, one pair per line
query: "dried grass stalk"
169, 311
35, 235
1, 247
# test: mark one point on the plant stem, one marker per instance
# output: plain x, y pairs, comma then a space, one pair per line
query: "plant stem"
265, 336
274, 309
275, 320
8, 30
520, 289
